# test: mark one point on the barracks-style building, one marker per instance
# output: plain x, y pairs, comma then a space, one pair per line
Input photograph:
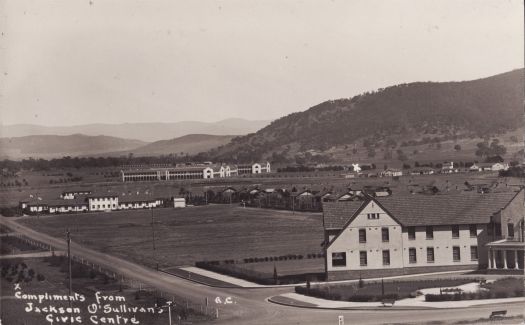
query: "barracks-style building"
405, 234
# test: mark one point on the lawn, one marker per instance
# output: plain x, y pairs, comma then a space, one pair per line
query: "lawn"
184, 236
372, 291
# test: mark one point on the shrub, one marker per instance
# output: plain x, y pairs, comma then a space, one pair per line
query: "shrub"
40, 277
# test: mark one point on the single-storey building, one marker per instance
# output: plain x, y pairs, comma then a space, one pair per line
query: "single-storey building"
407, 234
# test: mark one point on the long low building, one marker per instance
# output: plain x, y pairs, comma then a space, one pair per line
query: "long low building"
191, 172
407, 234
91, 203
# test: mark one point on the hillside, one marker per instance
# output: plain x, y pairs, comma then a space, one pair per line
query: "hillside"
420, 113
189, 144
143, 131
51, 146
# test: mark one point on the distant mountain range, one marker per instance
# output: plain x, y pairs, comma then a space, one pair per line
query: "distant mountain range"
147, 132
51, 146
408, 112
55, 146
186, 145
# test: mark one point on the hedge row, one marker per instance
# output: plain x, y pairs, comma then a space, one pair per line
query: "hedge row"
324, 293
259, 277
518, 292
266, 259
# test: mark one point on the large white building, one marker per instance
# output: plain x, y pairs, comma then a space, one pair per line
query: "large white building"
204, 171
406, 234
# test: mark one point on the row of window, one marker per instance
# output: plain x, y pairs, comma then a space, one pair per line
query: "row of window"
429, 231
102, 199
98, 206
456, 254
339, 258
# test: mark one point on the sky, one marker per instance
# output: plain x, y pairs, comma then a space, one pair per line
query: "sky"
70, 62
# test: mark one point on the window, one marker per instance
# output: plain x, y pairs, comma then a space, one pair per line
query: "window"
430, 254
510, 230
473, 253
473, 231
456, 255
373, 215
386, 257
411, 233
362, 235
430, 232
455, 231
92, 207
362, 258
339, 259
385, 236
412, 255
98, 206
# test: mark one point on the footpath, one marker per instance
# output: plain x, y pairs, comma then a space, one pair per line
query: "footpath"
297, 300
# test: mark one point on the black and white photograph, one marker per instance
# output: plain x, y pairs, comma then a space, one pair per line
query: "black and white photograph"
275, 162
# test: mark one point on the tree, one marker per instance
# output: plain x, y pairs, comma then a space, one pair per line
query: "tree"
275, 276
457, 147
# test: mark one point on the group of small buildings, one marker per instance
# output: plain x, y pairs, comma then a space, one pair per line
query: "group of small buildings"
446, 168
193, 171
87, 201
406, 234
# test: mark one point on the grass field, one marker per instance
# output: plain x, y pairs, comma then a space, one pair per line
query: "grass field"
184, 236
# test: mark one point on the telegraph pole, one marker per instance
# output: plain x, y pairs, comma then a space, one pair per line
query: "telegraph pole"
69, 264
69, 271
153, 238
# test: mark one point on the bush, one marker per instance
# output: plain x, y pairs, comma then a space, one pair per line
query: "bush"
40, 277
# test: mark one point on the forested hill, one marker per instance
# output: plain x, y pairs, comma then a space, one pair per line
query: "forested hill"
479, 108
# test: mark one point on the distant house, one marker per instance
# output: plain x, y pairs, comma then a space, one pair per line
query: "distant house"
411, 234
391, 172
71, 194
489, 167
500, 166
179, 202
422, 171
103, 202
448, 167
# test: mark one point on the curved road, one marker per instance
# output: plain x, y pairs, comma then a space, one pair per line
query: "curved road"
250, 305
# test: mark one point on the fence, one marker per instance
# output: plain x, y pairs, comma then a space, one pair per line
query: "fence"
181, 304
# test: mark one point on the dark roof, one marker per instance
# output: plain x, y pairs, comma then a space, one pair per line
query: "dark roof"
136, 198
426, 210
102, 195
58, 202
336, 214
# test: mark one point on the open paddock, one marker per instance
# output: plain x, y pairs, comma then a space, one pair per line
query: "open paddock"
184, 236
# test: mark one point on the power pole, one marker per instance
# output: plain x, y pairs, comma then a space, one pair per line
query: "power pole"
69, 271
69, 264
153, 239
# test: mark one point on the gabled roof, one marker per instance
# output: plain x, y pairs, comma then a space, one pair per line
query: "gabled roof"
337, 214
425, 210
447, 209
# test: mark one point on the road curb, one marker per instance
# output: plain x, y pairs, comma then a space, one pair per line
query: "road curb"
401, 308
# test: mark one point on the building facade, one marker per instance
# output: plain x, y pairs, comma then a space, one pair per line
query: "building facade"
387, 236
204, 171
